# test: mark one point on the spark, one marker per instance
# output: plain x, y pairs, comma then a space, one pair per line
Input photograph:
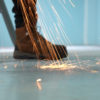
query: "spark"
39, 80
5, 67
15, 65
59, 67
7, 57
94, 71
73, 5
38, 83
98, 63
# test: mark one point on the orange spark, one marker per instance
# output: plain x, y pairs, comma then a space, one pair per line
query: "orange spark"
58, 67
38, 83
15, 65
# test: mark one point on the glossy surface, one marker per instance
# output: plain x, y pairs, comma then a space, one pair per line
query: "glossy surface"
27, 80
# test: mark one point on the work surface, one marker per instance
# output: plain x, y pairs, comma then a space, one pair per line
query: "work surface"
75, 79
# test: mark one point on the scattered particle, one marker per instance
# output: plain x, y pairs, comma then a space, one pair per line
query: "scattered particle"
5, 67
15, 65
7, 57
98, 63
39, 84
39, 80
73, 5
94, 71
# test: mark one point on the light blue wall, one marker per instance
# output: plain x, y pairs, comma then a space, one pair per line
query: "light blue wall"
93, 22
73, 20
98, 17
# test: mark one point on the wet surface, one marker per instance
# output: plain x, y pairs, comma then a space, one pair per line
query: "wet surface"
74, 79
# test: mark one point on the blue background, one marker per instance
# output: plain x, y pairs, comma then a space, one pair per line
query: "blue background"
81, 24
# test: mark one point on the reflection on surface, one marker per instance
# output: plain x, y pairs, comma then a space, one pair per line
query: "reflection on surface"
47, 80
58, 67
